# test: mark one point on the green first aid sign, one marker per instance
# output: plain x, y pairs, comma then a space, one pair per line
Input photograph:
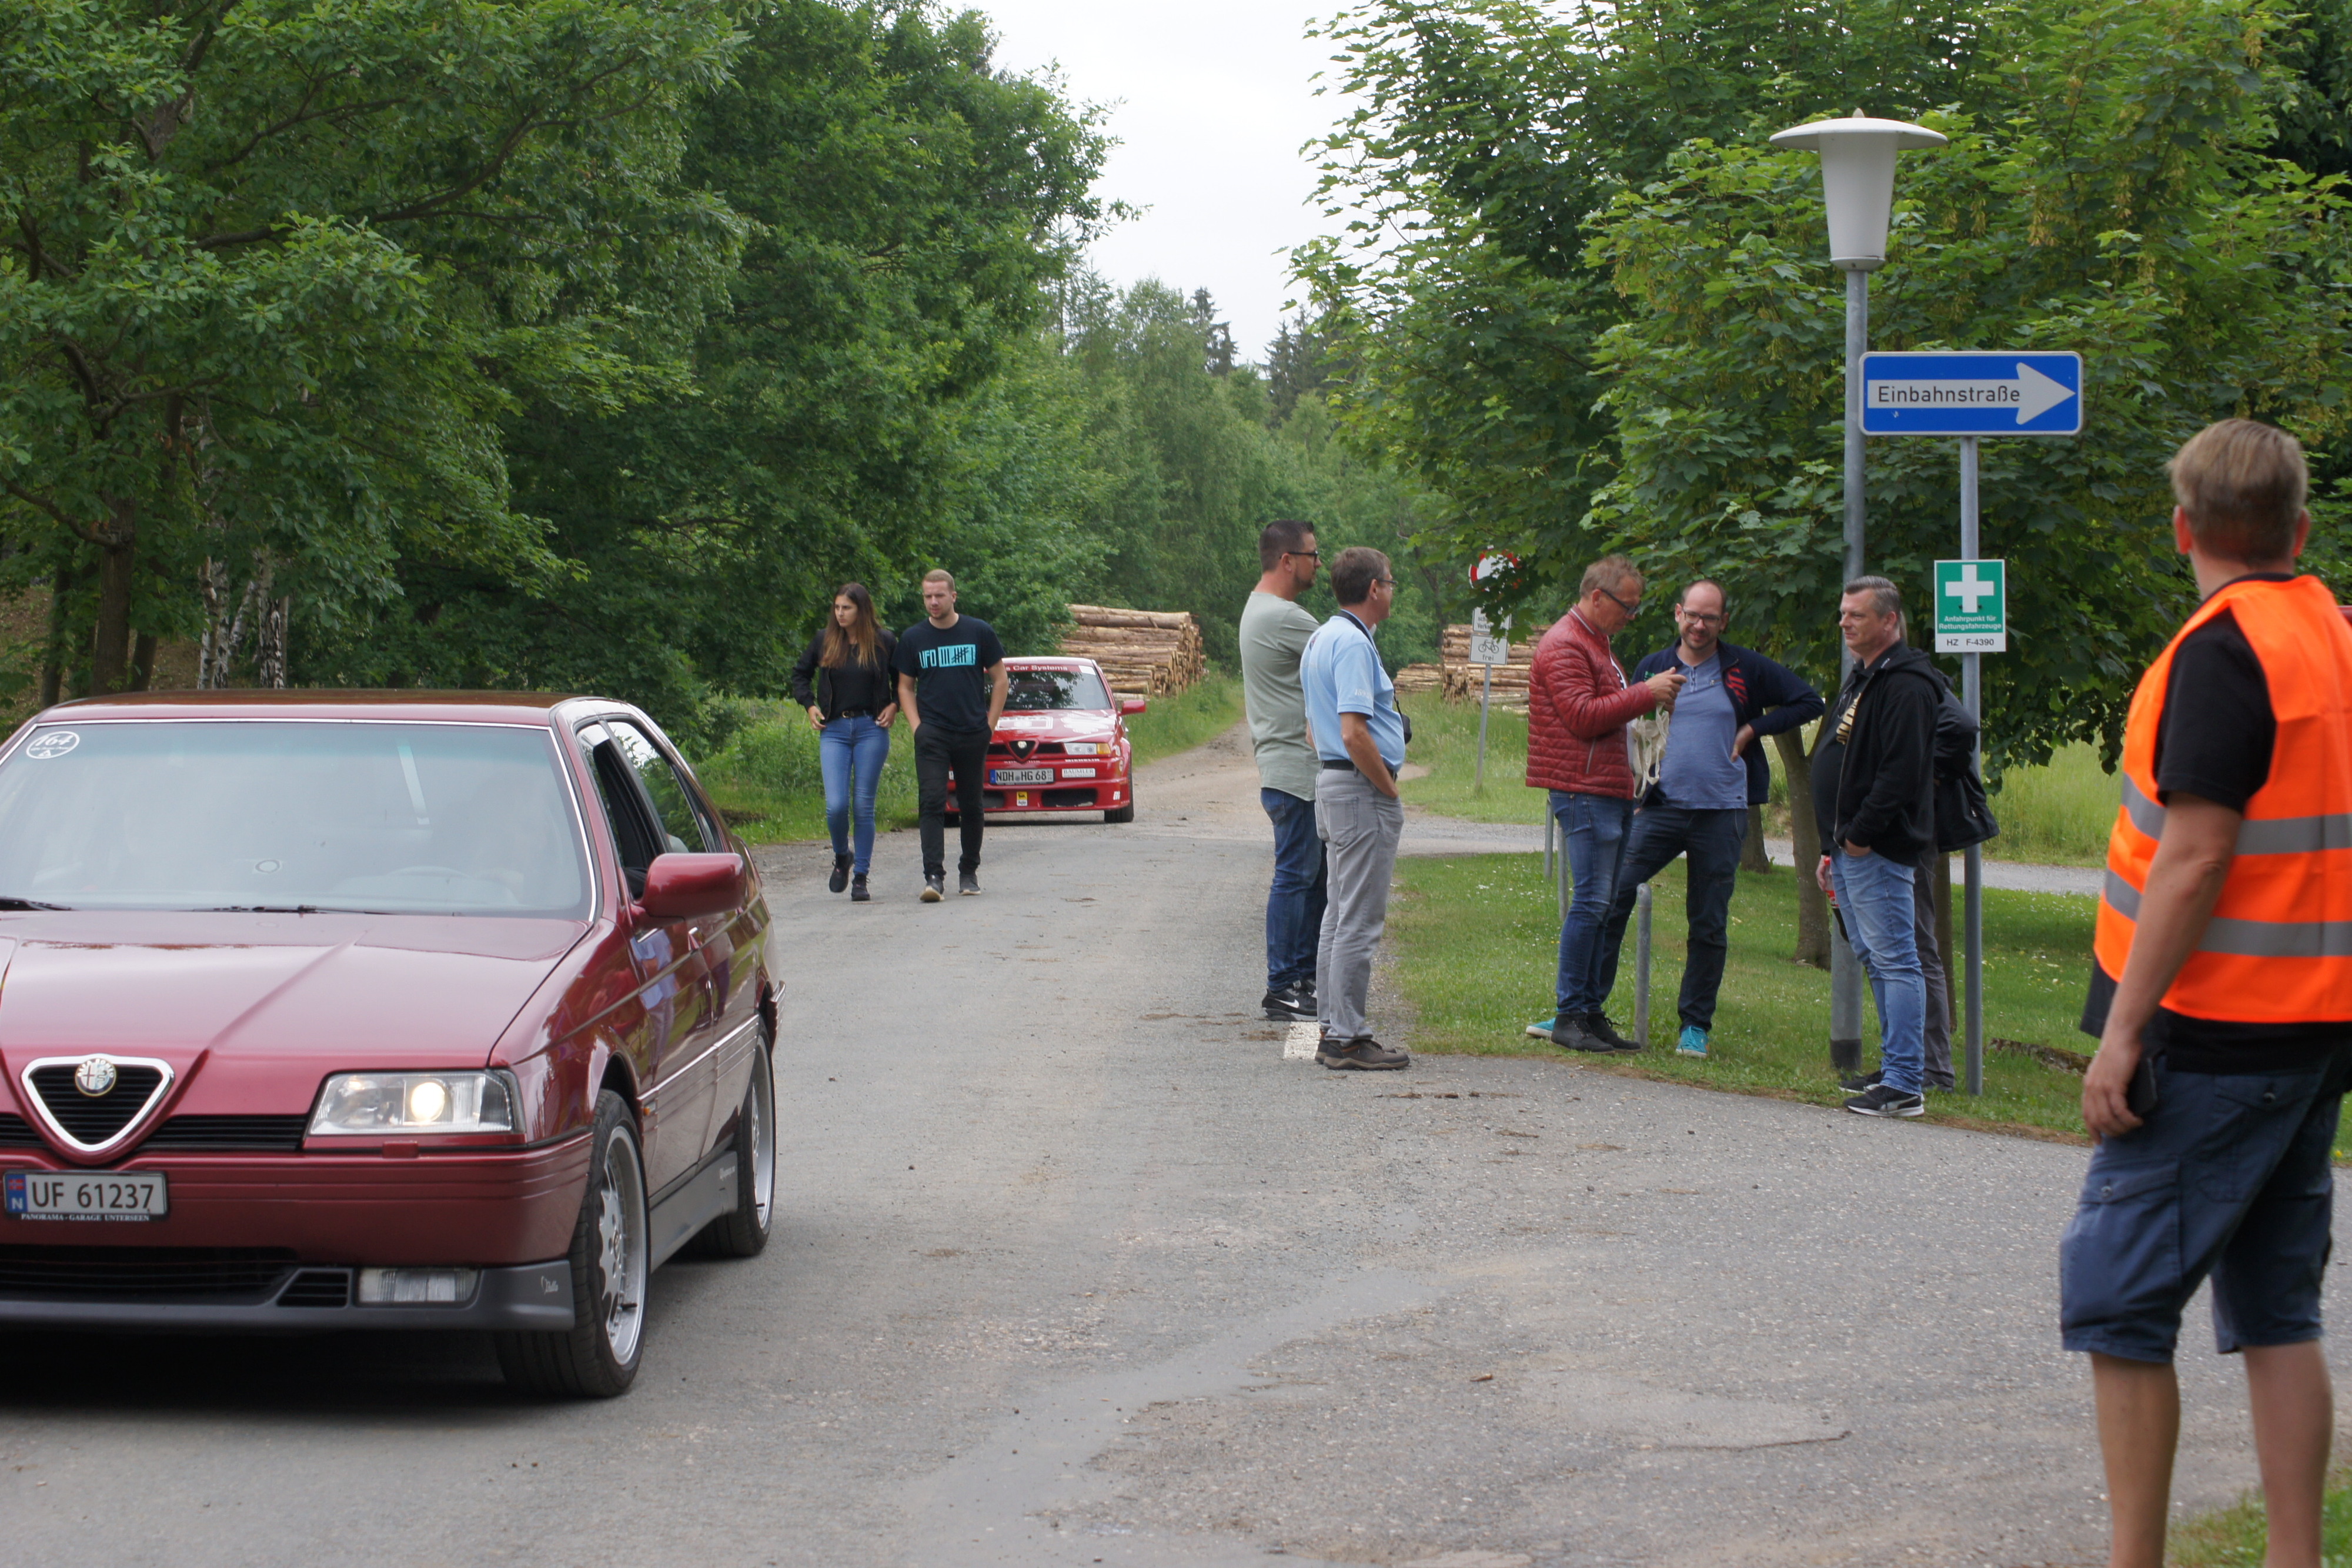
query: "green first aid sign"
1971, 606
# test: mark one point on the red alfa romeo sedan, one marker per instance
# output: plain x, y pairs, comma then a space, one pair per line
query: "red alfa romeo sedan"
1061, 743
373, 1009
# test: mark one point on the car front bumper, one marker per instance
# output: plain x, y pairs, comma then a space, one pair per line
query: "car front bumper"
481, 1208
535, 1296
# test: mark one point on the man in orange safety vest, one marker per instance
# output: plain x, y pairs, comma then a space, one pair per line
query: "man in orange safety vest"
2221, 996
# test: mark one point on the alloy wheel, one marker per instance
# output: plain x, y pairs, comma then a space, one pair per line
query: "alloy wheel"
621, 1262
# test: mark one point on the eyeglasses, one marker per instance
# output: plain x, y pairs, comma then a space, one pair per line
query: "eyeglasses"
1305, 554
1630, 609
1702, 620
1385, 581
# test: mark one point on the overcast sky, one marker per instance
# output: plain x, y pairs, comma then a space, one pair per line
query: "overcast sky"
1211, 101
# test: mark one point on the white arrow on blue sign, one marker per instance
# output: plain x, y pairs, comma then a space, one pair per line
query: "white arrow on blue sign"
1971, 394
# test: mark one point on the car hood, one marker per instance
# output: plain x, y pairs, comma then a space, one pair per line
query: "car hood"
1058, 724
257, 994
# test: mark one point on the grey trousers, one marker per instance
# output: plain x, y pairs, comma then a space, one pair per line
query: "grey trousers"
1360, 828
1936, 1035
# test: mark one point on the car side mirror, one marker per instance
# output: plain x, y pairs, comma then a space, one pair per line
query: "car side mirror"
688, 887
1132, 705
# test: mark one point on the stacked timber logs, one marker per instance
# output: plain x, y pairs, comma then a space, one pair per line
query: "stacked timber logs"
1464, 679
1147, 652
1421, 678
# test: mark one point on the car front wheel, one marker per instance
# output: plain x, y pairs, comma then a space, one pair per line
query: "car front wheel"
598, 1357
742, 1231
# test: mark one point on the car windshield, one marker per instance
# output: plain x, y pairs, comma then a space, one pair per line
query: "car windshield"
312, 814
1033, 689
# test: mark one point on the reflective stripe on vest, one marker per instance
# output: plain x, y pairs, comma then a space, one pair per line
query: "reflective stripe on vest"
2278, 949
2278, 836
2249, 938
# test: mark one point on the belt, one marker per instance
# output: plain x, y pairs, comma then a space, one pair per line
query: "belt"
855, 713
1345, 767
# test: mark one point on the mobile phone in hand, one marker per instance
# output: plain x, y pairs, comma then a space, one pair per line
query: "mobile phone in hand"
2140, 1098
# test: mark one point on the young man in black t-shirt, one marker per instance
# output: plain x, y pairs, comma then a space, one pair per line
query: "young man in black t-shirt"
951, 686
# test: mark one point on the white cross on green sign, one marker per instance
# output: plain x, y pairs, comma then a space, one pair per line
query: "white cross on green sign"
1971, 606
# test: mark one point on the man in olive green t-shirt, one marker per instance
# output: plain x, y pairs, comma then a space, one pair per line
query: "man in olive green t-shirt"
1274, 632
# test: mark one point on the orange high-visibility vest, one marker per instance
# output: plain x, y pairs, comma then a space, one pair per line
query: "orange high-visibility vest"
2279, 947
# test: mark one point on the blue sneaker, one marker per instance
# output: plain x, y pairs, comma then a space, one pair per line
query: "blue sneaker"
1541, 1031
1693, 1041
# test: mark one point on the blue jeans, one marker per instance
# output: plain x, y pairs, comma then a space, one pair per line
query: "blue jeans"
848, 745
1294, 904
1712, 838
1592, 832
1874, 893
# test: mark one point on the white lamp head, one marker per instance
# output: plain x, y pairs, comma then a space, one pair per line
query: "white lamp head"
1858, 180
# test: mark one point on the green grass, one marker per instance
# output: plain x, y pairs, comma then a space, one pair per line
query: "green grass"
2235, 1537
1445, 741
1476, 943
2056, 815
766, 778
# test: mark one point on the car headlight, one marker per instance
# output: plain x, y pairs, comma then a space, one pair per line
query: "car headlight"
1086, 748
378, 1103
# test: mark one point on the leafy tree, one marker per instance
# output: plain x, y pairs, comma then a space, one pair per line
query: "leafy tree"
2110, 199
1484, 134
272, 273
847, 415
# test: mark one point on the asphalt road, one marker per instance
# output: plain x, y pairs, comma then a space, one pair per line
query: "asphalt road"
1073, 1268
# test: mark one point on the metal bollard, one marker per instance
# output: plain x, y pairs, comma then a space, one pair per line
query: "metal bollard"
1641, 966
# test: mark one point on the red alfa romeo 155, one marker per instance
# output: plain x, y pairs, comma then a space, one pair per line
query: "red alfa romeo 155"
1061, 744
373, 1010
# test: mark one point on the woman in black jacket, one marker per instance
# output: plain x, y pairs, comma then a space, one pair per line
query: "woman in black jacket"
852, 702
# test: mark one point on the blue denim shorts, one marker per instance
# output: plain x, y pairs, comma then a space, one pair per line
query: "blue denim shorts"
2229, 1177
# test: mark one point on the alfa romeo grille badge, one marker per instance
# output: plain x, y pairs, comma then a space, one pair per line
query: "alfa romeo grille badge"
1022, 749
95, 1076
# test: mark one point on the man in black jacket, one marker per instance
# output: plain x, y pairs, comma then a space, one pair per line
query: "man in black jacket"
1732, 698
1875, 802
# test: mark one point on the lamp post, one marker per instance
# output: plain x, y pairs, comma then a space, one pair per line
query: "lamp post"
1858, 158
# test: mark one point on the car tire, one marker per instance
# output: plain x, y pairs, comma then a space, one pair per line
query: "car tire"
1123, 813
598, 1357
743, 1232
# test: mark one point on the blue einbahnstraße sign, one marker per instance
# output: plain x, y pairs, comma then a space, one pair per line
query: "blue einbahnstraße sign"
1971, 394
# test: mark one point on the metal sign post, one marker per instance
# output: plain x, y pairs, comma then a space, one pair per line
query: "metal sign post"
1486, 648
1972, 395
1486, 651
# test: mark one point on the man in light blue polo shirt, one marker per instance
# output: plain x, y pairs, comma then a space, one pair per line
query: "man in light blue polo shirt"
1351, 715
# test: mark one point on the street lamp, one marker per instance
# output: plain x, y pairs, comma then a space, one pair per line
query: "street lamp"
1858, 157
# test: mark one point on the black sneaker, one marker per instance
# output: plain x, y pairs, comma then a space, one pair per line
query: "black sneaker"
935, 887
1361, 1054
857, 894
1862, 1082
968, 883
1288, 1005
840, 878
1884, 1100
1569, 1034
1597, 1025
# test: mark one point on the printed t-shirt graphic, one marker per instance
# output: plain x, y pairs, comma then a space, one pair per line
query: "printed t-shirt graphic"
952, 671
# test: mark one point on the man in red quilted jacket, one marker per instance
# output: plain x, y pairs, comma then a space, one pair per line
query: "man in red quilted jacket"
1578, 747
